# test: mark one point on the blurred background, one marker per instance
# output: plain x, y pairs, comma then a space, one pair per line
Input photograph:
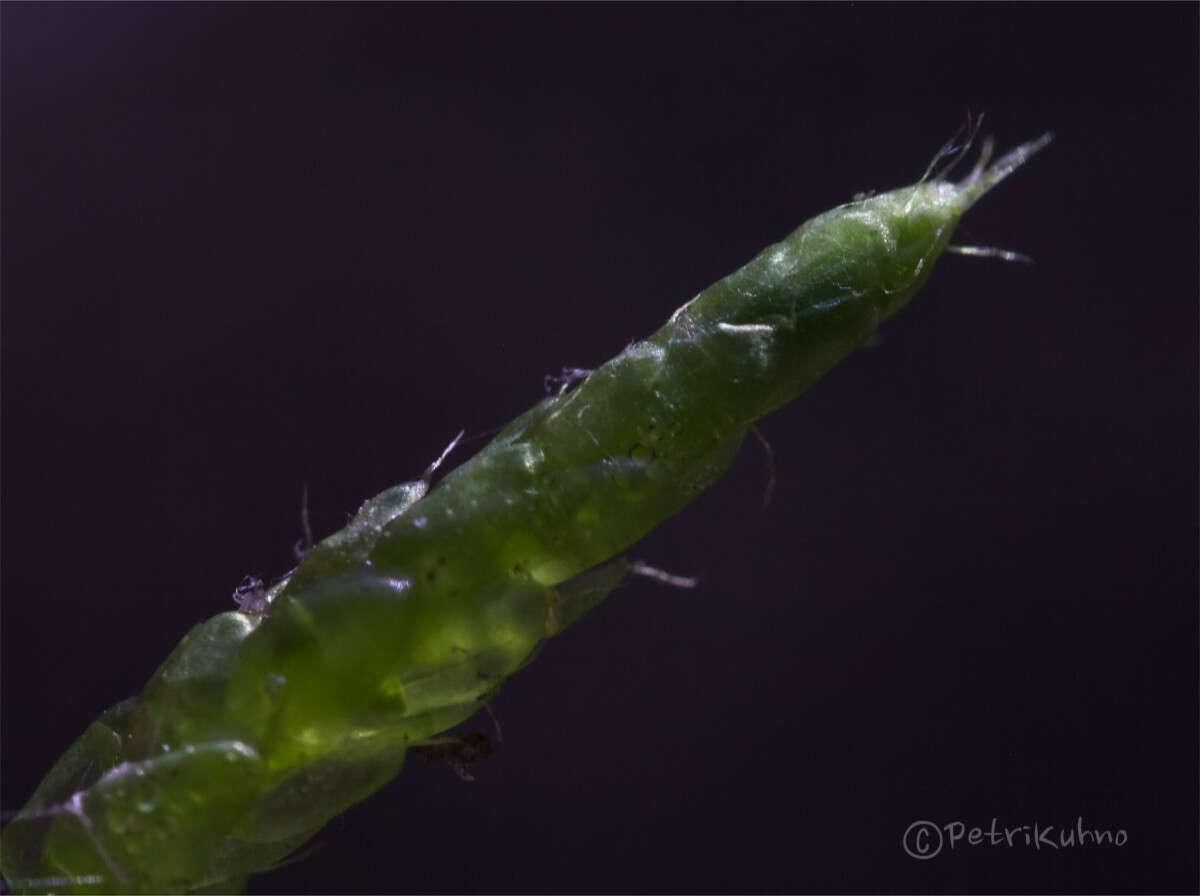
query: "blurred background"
248, 247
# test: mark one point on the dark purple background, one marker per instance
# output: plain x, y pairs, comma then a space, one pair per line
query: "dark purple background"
250, 246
